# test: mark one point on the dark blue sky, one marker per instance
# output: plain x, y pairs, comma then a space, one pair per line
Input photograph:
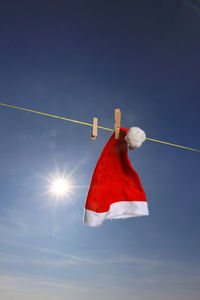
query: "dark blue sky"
81, 59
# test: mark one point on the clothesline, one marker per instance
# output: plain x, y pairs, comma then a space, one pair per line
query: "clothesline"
88, 124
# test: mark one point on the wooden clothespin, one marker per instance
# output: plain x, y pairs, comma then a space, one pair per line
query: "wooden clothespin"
117, 122
94, 128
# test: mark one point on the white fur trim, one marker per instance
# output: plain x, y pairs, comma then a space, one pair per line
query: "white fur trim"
118, 210
135, 137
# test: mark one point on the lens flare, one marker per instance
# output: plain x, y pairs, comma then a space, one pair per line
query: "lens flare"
60, 187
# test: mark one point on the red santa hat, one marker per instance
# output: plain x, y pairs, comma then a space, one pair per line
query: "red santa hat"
115, 191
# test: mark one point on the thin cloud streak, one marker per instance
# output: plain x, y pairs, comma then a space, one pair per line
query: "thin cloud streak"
10, 259
14, 222
51, 251
73, 259
80, 259
14, 279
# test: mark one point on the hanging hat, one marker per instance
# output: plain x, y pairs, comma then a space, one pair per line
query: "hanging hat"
115, 191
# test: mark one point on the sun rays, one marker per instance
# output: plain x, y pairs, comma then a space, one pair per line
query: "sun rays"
59, 187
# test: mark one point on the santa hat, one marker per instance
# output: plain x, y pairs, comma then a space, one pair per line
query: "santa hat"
115, 191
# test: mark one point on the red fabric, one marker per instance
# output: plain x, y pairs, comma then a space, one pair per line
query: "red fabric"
114, 179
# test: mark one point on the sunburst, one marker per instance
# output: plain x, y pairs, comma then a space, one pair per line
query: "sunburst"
60, 187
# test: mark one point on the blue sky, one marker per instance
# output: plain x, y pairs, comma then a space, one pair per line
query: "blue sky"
81, 59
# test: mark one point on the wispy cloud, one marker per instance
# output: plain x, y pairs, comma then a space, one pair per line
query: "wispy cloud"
62, 258
25, 286
130, 260
13, 222
67, 258
26, 282
72, 257
15, 259
105, 275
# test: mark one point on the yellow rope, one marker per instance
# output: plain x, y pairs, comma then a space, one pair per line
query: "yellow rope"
88, 124
170, 144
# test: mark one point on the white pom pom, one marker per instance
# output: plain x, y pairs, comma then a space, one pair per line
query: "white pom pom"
135, 137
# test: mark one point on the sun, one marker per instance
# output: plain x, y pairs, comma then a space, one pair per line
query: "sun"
60, 187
